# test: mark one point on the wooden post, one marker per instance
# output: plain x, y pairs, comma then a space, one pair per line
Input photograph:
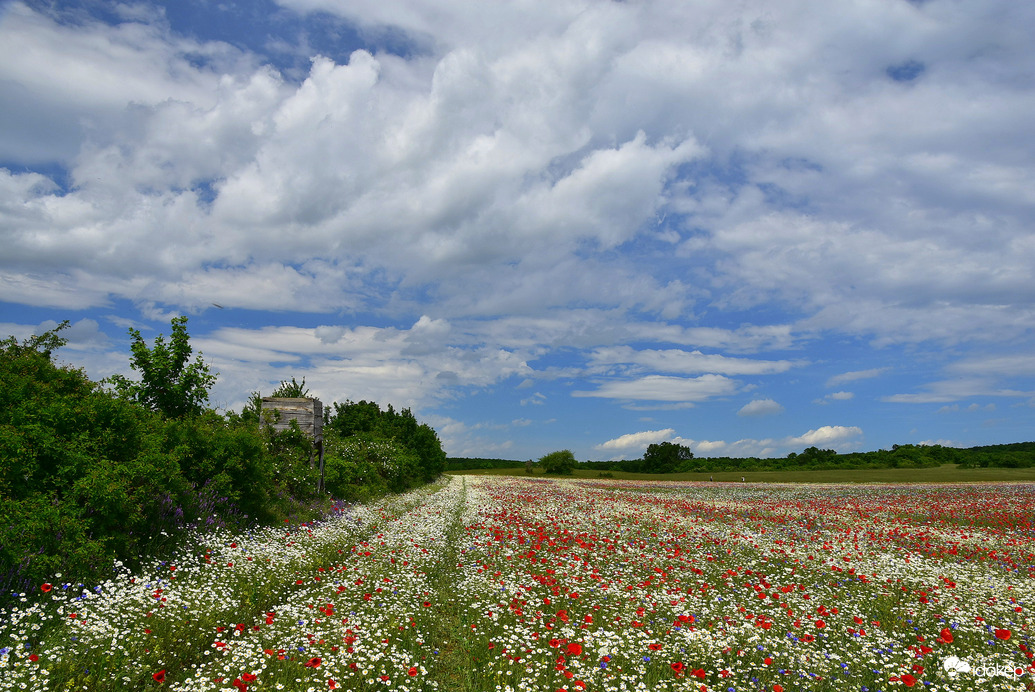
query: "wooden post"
319, 446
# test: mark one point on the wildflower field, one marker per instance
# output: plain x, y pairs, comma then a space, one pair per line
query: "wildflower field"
503, 583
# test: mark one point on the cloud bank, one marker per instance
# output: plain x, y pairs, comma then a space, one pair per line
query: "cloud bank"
635, 206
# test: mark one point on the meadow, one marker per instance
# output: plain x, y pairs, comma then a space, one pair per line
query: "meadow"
945, 473
491, 582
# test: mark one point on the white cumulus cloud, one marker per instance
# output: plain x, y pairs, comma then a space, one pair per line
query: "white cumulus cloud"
639, 440
760, 407
826, 435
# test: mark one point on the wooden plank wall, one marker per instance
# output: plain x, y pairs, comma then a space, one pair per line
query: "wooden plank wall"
307, 412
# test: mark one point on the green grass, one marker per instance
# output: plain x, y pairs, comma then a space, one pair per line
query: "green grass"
948, 473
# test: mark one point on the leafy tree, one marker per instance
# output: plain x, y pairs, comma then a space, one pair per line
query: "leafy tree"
813, 456
665, 457
423, 441
251, 413
169, 383
561, 462
291, 390
351, 418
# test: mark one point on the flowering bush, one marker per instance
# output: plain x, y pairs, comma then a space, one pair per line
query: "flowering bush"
368, 459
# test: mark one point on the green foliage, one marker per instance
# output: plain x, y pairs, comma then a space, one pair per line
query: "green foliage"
169, 383
467, 463
394, 465
665, 457
291, 390
352, 418
252, 411
89, 475
78, 476
1020, 455
419, 439
561, 462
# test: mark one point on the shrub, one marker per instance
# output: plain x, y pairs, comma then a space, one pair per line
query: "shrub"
366, 417
87, 477
562, 462
395, 465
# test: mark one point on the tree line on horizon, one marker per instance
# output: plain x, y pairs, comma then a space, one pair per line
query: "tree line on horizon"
668, 457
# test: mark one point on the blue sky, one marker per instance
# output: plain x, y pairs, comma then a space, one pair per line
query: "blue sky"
746, 227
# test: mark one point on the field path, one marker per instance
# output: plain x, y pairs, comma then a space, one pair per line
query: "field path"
486, 584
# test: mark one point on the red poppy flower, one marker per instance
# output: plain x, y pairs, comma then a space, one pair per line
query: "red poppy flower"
412, 672
33, 657
1003, 634
313, 663
678, 667
574, 649
45, 588
248, 677
908, 680
159, 677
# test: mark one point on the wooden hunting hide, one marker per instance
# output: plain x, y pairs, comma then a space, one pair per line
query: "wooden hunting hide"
307, 412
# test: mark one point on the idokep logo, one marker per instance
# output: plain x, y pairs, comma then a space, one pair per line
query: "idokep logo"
955, 666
